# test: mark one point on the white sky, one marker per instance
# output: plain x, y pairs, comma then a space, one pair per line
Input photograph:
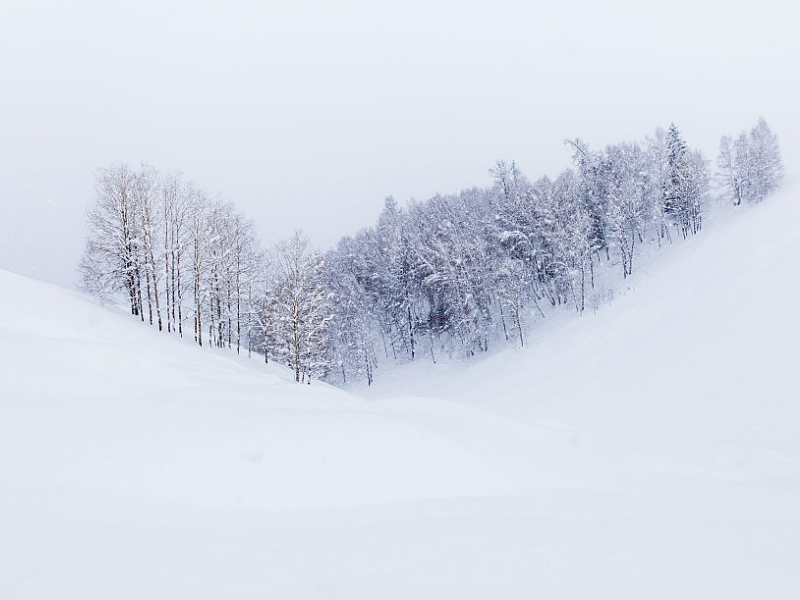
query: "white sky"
307, 116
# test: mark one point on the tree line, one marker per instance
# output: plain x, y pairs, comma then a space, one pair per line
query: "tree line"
452, 275
192, 265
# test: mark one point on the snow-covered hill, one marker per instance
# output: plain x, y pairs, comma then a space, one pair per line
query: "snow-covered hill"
650, 451
694, 366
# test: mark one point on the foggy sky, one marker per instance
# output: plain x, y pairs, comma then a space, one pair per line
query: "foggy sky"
307, 116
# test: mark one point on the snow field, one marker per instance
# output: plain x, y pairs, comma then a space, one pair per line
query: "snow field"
650, 451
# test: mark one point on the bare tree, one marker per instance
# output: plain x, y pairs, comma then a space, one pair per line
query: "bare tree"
114, 235
145, 190
197, 231
178, 197
94, 272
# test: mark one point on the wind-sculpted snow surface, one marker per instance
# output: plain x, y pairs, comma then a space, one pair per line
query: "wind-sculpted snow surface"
649, 451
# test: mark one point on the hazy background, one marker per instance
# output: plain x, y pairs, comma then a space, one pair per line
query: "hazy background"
307, 115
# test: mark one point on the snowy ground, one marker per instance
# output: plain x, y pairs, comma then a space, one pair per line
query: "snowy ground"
650, 451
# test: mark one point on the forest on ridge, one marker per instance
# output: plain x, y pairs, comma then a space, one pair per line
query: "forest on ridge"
453, 275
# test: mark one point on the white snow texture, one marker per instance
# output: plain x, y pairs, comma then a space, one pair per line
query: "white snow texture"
649, 451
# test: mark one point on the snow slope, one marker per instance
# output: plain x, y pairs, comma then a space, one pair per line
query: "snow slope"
695, 366
650, 451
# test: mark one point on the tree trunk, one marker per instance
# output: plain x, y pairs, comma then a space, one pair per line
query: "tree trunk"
167, 276
149, 297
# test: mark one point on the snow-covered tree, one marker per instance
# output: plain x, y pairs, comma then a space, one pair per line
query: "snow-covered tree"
686, 184
302, 317
95, 273
178, 198
145, 202
114, 238
449, 275
750, 168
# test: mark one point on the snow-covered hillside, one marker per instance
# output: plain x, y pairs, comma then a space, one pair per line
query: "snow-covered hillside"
649, 451
694, 365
